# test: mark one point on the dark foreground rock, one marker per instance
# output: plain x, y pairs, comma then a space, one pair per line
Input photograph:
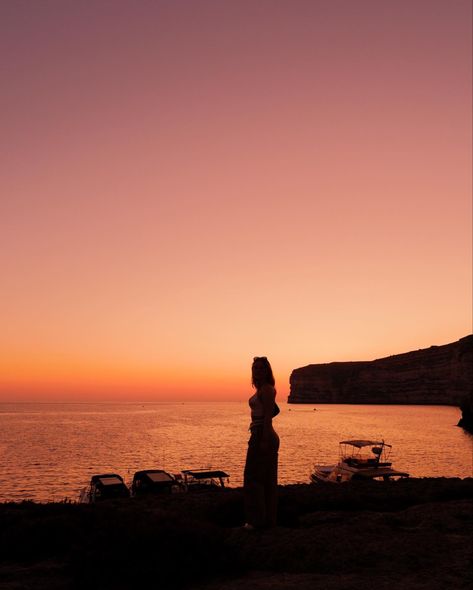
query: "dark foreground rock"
414, 534
436, 375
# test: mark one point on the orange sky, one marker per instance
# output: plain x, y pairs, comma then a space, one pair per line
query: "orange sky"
185, 185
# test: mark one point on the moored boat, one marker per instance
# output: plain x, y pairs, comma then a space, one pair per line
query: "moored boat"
104, 487
359, 459
154, 481
204, 479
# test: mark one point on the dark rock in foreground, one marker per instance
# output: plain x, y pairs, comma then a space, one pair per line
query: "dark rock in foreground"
435, 375
414, 534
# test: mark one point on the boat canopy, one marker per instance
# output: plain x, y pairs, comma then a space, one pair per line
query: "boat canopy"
204, 474
364, 443
110, 481
154, 475
107, 479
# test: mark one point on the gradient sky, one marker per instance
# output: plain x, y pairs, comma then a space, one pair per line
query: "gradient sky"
187, 184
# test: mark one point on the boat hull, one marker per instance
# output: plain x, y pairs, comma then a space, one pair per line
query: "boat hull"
341, 473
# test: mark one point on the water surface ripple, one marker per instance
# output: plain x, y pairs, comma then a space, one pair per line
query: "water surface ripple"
49, 451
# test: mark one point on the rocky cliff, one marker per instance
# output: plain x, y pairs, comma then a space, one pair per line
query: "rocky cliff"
466, 406
435, 375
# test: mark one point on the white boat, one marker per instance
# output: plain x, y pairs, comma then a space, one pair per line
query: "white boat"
359, 460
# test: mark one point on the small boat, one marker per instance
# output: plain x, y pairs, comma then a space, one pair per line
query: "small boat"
359, 460
154, 481
204, 479
104, 487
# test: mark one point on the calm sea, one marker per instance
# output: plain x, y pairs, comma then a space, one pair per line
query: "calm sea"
49, 451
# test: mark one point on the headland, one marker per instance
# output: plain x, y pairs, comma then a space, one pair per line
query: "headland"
439, 375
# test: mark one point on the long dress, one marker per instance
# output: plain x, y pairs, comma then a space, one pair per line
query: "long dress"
261, 472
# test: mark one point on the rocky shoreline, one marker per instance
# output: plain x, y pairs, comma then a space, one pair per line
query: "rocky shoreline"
416, 534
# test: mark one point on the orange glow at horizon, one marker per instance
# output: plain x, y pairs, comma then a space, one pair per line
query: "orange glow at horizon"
187, 186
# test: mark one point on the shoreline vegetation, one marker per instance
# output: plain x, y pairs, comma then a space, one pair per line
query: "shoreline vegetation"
414, 533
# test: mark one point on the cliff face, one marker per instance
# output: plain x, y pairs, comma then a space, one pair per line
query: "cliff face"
466, 406
435, 375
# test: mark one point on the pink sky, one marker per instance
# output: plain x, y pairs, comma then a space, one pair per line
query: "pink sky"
188, 184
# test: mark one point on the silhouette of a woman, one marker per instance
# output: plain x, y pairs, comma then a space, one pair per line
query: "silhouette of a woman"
261, 468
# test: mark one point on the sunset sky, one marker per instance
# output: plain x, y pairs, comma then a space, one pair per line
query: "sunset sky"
187, 184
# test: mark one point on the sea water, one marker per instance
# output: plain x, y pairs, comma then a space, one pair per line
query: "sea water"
49, 451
